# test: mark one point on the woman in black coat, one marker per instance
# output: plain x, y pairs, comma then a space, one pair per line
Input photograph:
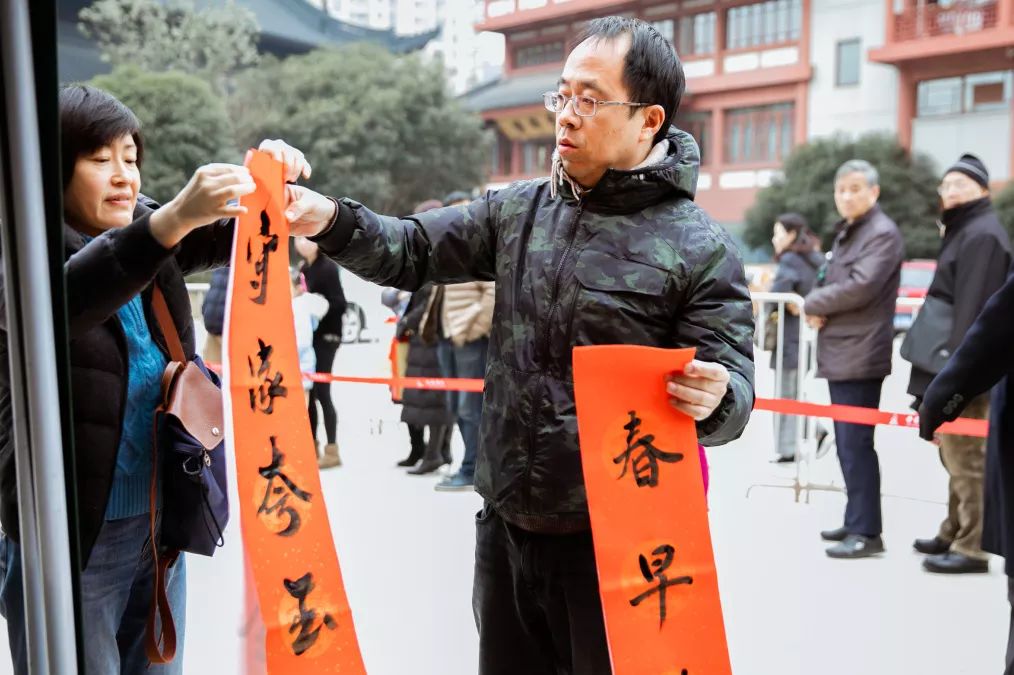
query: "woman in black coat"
984, 361
118, 248
421, 407
799, 258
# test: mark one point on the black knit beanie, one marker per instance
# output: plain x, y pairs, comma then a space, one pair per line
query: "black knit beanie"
971, 166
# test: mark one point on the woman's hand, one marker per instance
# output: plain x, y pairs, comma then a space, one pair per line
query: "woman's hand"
203, 200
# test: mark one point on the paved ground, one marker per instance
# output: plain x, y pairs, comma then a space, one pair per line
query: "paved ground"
406, 554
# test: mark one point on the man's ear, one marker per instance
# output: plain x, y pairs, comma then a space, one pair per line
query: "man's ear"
654, 118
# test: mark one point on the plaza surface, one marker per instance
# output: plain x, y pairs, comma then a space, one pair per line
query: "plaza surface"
406, 555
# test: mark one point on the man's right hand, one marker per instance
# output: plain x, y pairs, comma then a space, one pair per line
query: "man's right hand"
308, 212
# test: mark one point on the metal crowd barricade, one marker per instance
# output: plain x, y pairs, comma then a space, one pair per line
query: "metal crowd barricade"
805, 427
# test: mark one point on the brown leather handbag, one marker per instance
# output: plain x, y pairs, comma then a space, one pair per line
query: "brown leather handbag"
188, 450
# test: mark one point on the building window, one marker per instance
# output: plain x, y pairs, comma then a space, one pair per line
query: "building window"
848, 60
667, 28
971, 93
760, 134
537, 55
691, 35
697, 34
698, 125
765, 23
536, 157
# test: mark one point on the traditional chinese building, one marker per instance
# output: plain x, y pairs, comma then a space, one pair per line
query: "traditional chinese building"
765, 76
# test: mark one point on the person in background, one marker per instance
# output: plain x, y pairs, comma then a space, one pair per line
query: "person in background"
213, 312
307, 311
422, 408
323, 278
853, 310
984, 360
797, 252
460, 317
975, 255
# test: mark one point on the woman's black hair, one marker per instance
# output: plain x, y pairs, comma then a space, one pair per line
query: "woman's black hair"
91, 119
806, 240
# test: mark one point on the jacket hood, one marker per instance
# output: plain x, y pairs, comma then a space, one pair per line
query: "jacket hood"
630, 191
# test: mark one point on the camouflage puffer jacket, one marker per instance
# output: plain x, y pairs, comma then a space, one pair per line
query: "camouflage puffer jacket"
634, 261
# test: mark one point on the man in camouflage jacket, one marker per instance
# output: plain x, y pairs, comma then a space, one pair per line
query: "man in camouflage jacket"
598, 254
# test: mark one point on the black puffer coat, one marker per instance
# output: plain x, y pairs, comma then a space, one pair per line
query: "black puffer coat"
421, 407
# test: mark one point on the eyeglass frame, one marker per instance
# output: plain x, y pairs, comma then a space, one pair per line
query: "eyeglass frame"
573, 101
947, 186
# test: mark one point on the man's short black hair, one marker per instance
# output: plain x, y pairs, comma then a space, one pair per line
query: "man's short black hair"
652, 71
91, 119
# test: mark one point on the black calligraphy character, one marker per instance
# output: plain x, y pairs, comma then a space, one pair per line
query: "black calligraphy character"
660, 564
269, 245
645, 463
270, 386
305, 620
281, 493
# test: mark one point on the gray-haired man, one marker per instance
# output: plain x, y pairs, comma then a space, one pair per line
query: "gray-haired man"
853, 308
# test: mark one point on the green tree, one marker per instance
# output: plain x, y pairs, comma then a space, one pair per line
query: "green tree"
907, 183
184, 125
378, 128
1003, 202
213, 43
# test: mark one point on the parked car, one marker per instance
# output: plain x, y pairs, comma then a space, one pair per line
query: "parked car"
916, 276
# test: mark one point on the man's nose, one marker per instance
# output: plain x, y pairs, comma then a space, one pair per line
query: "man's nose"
567, 116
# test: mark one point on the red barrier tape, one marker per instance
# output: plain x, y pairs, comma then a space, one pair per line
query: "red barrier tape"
839, 413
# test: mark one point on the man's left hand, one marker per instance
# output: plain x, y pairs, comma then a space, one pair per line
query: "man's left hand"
699, 389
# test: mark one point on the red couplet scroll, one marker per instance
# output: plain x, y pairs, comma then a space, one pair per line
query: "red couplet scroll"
286, 533
649, 515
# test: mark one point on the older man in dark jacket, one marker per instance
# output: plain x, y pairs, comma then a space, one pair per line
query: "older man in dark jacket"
853, 308
974, 258
610, 249
985, 361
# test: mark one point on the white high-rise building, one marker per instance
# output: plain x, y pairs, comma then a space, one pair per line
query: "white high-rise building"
470, 57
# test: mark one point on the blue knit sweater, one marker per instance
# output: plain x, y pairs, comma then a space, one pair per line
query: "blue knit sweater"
130, 493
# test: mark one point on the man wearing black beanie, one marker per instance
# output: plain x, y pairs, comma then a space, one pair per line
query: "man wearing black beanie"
974, 259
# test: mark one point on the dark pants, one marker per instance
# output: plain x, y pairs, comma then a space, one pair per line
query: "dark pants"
858, 458
325, 348
1009, 670
536, 602
467, 361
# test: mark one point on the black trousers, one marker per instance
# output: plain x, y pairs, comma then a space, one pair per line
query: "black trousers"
859, 463
325, 350
536, 602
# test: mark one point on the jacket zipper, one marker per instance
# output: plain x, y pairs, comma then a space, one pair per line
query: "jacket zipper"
545, 344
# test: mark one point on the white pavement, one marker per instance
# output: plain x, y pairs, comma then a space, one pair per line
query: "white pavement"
406, 554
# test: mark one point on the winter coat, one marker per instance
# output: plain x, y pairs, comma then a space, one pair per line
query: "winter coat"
324, 278
975, 256
632, 261
101, 277
213, 307
421, 407
796, 273
858, 295
985, 360
466, 313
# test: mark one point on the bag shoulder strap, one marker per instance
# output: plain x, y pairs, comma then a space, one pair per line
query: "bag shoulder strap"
166, 324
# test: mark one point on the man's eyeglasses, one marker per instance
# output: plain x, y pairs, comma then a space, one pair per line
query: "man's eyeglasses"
584, 106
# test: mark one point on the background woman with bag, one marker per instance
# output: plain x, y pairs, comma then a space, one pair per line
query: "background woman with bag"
119, 247
797, 251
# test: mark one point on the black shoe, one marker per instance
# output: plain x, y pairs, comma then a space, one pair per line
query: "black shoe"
782, 459
955, 563
411, 460
834, 535
856, 546
934, 546
427, 466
